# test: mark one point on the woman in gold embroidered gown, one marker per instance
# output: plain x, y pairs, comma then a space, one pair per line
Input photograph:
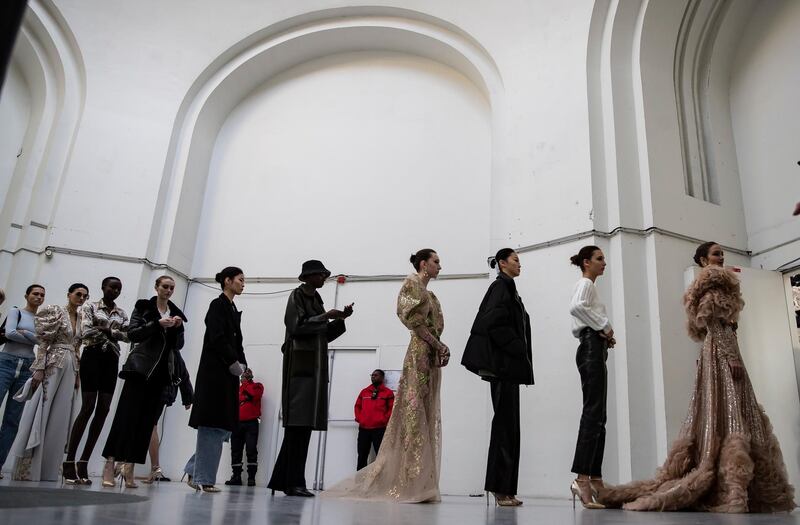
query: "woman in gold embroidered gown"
407, 467
43, 428
726, 457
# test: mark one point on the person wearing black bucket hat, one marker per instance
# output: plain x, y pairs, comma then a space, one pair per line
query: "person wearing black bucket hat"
313, 267
304, 396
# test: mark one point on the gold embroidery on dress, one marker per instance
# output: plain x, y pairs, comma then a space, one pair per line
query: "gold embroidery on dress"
408, 465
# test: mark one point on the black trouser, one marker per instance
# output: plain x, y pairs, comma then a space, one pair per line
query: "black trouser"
591, 361
368, 438
245, 434
290, 467
502, 465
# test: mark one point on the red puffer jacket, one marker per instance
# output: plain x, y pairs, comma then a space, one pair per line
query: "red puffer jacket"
250, 400
374, 410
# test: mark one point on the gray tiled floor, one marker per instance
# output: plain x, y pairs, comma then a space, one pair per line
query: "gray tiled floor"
175, 503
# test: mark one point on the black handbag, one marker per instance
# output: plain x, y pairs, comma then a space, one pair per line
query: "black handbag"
139, 364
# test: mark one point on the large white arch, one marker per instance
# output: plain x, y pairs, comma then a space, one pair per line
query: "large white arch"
49, 59
254, 60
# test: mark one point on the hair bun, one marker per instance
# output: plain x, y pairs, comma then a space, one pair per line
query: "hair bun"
413, 258
492, 262
218, 278
575, 259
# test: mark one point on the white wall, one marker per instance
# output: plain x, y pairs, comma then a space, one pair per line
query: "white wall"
766, 120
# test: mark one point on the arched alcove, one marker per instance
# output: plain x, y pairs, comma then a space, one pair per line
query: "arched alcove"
253, 63
353, 157
47, 58
15, 113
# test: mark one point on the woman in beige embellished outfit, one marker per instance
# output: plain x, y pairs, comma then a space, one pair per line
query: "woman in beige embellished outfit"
726, 457
408, 464
39, 445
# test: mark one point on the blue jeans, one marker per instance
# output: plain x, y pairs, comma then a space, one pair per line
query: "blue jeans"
14, 371
204, 463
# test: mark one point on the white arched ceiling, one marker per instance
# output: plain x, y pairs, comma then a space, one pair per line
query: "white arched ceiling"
254, 62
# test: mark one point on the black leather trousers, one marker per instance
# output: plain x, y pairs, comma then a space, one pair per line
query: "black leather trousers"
502, 466
591, 361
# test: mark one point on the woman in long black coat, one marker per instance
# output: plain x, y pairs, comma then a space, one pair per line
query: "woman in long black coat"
215, 412
156, 334
499, 351
304, 400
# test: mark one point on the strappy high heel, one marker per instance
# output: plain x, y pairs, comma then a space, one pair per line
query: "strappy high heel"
127, 476
503, 500
156, 474
588, 501
110, 473
189, 481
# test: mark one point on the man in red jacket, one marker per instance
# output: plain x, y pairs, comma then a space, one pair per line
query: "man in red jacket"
373, 410
247, 433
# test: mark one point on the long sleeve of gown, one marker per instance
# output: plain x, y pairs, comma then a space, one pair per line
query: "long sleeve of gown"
714, 298
412, 305
413, 308
48, 322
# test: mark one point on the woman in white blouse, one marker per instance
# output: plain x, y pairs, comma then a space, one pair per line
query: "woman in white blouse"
590, 325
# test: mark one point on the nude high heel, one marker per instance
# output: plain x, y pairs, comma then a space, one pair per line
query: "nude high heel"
587, 500
502, 500
127, 476
156, 474
110, 473
189, 481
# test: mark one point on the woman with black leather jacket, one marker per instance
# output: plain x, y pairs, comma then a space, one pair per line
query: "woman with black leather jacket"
499, 351
156, 333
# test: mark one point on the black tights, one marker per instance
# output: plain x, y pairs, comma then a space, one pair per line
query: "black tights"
91, 402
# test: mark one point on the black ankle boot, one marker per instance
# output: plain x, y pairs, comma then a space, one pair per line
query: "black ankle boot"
251, 482
68, 471
82, 471
236, 479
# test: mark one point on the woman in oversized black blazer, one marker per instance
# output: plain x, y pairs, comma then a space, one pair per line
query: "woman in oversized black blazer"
156, 334
499, 351
215, 412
